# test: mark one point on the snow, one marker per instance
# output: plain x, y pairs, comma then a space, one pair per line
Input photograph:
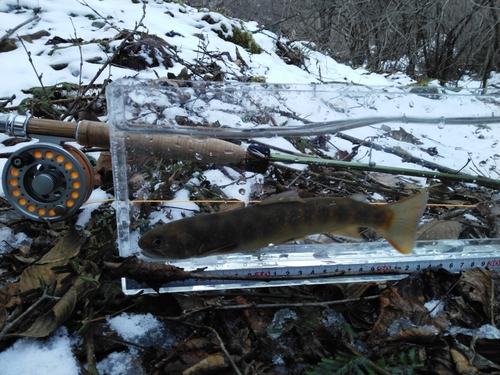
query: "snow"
11, 240
144, 330
486, 331
69, 19
95, 200
120, 363
435, 307
52, 356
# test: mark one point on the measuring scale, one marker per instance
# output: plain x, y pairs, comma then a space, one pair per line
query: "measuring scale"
336, 263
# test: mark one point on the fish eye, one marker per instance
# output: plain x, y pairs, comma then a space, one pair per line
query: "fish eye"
158, 242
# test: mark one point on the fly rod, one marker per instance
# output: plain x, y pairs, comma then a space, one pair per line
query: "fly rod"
50, 180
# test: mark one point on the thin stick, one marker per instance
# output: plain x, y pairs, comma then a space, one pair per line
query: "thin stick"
216, 334
12, 31
293, 304
9, 326
105, 65
39, 76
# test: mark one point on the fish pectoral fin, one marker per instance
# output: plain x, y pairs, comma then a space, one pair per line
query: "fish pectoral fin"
351, 232
221, 250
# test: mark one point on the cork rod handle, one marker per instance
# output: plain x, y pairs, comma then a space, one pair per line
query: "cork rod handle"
96, 134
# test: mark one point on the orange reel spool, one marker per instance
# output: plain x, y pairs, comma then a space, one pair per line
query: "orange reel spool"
47, 181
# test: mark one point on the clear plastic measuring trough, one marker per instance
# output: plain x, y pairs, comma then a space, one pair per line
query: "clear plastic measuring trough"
162, 120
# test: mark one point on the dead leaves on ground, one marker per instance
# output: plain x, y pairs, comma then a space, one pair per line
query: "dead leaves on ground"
389, 329
393, 328
46, 293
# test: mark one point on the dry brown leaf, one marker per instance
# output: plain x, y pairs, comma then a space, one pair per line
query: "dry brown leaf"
258, 319
491, 210
68, 247
439, 230
31, 278
475, 288
211, 364
474, 356
385, 179
51, 320
462, 364
394, 307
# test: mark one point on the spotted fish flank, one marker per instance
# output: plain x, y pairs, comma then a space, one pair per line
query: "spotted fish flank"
283, 218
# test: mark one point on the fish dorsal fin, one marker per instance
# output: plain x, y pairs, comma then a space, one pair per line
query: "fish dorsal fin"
287, 196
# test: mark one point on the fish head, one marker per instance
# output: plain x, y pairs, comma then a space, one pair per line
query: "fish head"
162, 243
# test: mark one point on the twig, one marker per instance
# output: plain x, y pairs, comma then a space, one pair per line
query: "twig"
81, 56
84, 3
158, 274
12, 31
9, 326
223, 347
406, 157
267, 27
105, 65
90, 351
444, 296
216, 334
39, 76
179, 347
369, 363
290, 304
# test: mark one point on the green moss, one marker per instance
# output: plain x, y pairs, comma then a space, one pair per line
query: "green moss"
259, 79
239, 36
427, 92
423, 82
179, 2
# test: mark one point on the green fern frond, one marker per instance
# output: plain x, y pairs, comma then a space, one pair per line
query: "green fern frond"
346, 363
342, 364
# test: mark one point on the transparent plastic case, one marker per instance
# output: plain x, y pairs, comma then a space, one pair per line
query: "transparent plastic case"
177, 146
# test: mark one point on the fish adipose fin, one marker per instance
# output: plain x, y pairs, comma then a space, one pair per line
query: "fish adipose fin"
401, 231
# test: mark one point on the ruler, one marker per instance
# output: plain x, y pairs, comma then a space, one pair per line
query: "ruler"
334, 263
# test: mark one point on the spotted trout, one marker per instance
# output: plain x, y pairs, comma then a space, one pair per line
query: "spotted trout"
280, 219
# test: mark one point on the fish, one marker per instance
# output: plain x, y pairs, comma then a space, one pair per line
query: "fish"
282, 218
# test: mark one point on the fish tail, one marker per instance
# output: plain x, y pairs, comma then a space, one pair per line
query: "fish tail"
401, 231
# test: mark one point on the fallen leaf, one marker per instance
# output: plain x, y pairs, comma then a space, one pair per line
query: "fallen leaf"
439, 230
55, 317
462, 364
475, 288
213, 363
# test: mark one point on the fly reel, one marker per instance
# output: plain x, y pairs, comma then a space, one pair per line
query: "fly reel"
47, 181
